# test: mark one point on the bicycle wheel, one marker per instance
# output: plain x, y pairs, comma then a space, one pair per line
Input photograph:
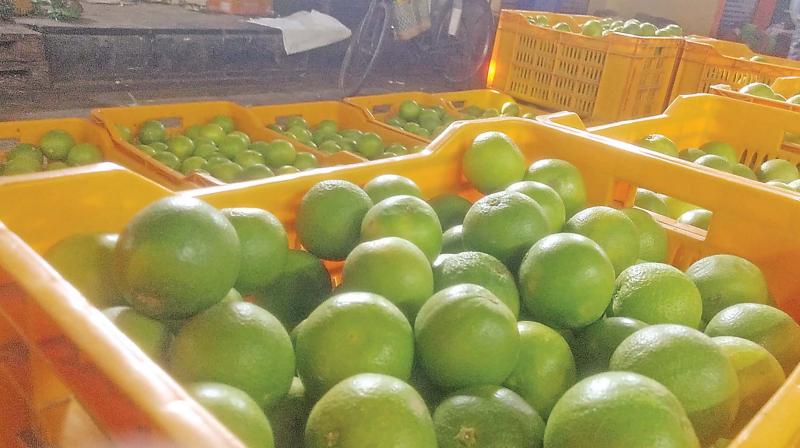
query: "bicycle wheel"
365, 44
462, 44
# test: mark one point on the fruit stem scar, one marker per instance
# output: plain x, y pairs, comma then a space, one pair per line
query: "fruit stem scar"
466, 436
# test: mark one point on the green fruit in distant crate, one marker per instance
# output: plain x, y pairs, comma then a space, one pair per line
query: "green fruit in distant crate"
647, 30
159, 146
370, 145
509, 109
303, 284
592, 28
148, 150
350, 414
409, 110
699, 218
193, 163
305, 161
642, 413
56, 144
280, 153
547, 198
767, 326
595, 344
150, 335
25, 150
721, 149
330, 147
657, 293
725, 280
327, 126
545, 367
264, 247
227, 172
429, 119
631, 28
493, 162
676, 356
248, 158
231, 146
205, 150
22, 165
241, 135
125, 132
676, 207
225, 122
715, 162
301, 134
479, 269
397, 148
296, 121
236, 334
84, 154
395, 121
181, 146
213, 132
566, 280
659, 143
496, 416
743, 170
240, 414
778, 170
653, 240
648, 200
379, 340
87, 262
152, 131
54, 166
562, 26
169, 159
255, 172
691, 154
194, 132
466, 337
286, 169
758, 89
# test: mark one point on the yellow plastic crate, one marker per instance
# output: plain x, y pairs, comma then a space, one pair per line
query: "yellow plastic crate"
84, 131
759, 225
177, 117
603, 79
788, 87
379, 108
756, 132
68, 377
485, 99
706, 62
346, 115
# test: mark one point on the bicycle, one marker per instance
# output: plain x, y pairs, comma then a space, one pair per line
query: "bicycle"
458, 41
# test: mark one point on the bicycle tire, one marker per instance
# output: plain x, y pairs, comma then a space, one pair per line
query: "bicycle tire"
477, 22
366, 43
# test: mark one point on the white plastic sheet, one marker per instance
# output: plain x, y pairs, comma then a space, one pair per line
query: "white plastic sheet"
306, 30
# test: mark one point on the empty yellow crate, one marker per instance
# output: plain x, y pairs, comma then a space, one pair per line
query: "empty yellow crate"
758, 225
347, 116
603, 79
177, 117
788, 87
706, 62
756, 132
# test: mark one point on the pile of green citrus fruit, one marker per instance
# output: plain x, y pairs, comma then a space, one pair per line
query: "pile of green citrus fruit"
424, 121
607, 25
524, 319
218, 149
508, 109
328, 138
57, 150
723, 157
762, 90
